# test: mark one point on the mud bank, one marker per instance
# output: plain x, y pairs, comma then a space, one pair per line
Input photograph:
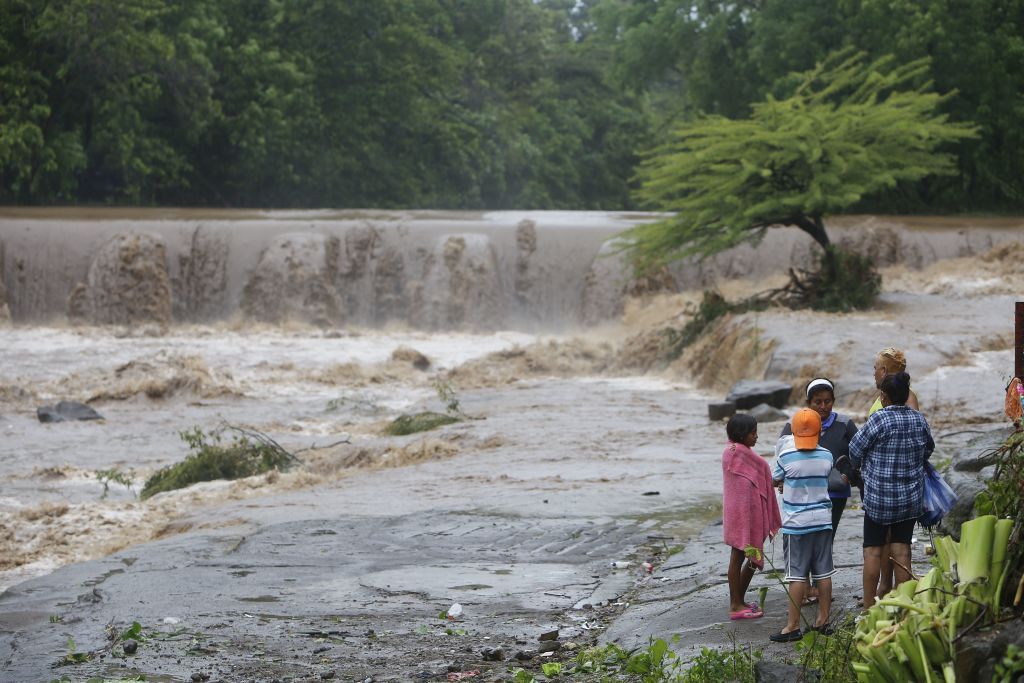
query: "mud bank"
428, 270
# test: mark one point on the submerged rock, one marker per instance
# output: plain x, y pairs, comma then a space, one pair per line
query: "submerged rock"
294, 280
371, 279
748, 393
66, 411
201, 287
405, 354
763, 412
461, 287
127, 283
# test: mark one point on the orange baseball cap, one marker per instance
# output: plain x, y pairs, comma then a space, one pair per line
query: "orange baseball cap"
806, 429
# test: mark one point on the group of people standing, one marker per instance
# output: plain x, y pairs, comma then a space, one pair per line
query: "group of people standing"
819, 457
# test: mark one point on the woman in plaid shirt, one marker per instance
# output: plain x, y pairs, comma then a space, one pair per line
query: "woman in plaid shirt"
890, 450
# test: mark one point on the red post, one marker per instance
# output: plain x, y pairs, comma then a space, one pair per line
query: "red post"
1018, 341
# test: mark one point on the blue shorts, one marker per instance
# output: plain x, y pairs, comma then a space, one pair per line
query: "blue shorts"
808, 555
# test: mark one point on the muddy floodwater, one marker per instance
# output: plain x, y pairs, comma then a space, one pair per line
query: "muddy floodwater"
578, 445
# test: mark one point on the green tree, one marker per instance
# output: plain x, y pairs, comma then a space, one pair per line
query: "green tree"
850, 129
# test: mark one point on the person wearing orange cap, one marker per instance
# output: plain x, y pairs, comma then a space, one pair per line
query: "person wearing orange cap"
836, 431
803, 467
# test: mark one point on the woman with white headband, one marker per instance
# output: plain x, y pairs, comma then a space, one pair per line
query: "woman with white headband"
836, 431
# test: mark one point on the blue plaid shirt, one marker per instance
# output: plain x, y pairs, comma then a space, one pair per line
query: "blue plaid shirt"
891, 449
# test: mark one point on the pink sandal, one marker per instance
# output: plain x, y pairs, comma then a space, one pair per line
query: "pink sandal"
750, 612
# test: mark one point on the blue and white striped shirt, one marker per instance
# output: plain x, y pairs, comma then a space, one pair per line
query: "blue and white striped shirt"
806, 506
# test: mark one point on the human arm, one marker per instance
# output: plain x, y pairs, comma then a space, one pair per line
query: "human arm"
778, 475
912, 401
861, 442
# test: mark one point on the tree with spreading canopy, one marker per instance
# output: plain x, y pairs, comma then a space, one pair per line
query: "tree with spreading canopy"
850, 129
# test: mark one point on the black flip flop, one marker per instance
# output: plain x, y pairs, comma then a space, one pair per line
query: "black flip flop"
781, 637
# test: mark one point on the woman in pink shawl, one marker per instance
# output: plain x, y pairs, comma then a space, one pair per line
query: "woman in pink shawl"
750, 512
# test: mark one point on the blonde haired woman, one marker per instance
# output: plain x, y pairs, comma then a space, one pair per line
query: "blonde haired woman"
889, 361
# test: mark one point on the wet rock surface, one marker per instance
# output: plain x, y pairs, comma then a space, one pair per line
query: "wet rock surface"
461, 286
66, 411
750, 393
127, 284
294, 280
268, 602
201, 286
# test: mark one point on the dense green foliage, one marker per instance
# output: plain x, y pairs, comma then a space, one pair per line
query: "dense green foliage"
720, 58
849, 130
457, 103
414, 103
211, 459
843, 281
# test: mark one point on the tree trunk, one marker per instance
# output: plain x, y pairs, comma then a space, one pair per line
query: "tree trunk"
815, 227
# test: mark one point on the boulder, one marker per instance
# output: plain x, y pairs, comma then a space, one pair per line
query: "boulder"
603, 296
721, 411
461, 286
966, 486
405, 354
766, 671
127, 283
748, 393
66, 411
294, 280
979, 450
763, 412
980, 651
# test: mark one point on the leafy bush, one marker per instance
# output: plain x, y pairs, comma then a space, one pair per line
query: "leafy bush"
830, 654
657, 663
420, 422
712, 307
244, 456
844, 281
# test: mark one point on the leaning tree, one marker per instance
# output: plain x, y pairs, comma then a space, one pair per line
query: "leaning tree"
850, 129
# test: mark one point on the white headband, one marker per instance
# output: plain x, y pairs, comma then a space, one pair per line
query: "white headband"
815, 383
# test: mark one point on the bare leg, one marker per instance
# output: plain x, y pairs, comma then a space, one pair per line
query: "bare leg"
900, 553
797, 591
885, 570
872, 564
740, 575
824, 601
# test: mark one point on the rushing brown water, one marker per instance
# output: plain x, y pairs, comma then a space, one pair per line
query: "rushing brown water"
293, 323
427, 270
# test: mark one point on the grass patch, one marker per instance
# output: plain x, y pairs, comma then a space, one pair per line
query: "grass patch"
419, 422
246, 454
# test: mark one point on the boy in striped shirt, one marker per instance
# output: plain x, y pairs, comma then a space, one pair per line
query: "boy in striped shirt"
802, 467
